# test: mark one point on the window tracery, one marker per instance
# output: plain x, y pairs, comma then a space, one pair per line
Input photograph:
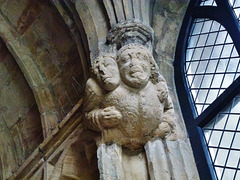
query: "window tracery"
210, 67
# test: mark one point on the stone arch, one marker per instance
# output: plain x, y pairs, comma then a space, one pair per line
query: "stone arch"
47, 59
95, 23
30, 53
33, 75
20, 123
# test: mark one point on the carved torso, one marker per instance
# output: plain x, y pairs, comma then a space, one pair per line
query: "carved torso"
130, 106
142, 113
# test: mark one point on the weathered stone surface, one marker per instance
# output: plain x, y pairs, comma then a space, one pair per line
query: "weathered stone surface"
110, 11
21, 14
110, 162
20, 124
128, 111
115, 163
188, 160
62, 137
70, 161
36, 80
158, 163
57, 57
118, 5
131, 31
167, 20
120, 11
37, 175
7, 33
135, 166
28, 130
95, 23
176, 158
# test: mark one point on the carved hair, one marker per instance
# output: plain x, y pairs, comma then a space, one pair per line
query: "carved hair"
155, 75
98, 60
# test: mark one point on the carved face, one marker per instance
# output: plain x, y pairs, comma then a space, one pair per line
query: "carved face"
134, 66
107, 73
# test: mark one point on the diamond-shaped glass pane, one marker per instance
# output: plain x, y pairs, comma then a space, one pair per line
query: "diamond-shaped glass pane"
235, 4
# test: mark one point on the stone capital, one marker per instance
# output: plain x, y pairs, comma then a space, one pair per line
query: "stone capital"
132, 31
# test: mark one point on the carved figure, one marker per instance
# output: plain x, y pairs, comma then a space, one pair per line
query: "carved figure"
134, 110
105, 78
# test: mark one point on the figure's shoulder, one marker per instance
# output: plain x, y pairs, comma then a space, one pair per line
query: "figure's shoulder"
93, 87
91, 82
161, 86
93, 95
162, 90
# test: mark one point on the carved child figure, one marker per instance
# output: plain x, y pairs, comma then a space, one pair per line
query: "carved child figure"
138, 108
105, 78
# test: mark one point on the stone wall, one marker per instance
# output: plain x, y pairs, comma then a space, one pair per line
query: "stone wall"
167, 20
20, 123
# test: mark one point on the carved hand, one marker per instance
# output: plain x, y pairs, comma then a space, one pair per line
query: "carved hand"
163, 130
110, 117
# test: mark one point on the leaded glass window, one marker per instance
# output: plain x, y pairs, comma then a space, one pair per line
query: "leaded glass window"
212, 62
208, 3
208, 84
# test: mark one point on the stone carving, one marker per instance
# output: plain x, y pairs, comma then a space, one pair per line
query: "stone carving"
127, 99
106, 78
131, 31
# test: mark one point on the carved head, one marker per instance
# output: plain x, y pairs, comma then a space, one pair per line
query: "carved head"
136, 65
106, 72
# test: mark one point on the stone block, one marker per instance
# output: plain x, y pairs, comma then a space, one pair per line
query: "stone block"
176, 160
158, 163
110, 162
26, 62
135, 165
30, 130
188, 160
182, 161
47, 26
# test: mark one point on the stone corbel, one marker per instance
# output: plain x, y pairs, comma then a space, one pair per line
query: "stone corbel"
128, 103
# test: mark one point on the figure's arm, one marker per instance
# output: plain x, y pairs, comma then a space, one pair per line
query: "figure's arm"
168, 113
100, 119
164, 98
162, 89
97, 118
167, 127
92, 99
